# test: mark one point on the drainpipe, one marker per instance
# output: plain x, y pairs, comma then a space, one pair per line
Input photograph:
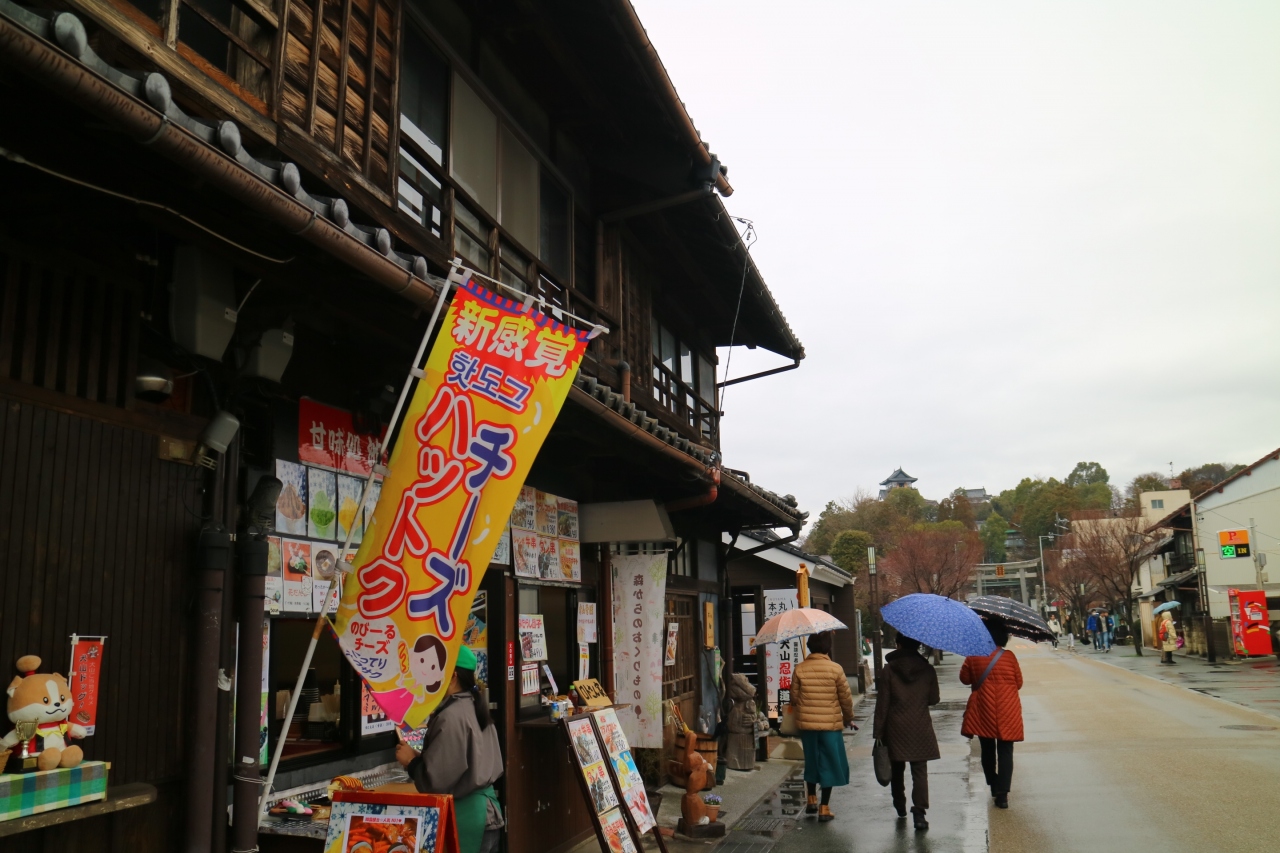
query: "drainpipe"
605, 610
213, 559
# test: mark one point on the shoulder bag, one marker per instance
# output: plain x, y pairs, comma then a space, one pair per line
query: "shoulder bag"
987, 671
880, 760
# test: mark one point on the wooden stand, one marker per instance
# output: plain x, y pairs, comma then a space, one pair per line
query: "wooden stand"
715, 829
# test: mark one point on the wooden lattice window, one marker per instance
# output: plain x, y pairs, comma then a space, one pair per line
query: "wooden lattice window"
337, 84
679, 680
67, 329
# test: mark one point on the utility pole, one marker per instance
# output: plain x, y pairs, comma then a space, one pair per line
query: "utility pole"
1044, 584
1206, 618
875, 611
1253, 552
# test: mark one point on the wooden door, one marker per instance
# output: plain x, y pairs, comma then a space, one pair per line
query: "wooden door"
680, 681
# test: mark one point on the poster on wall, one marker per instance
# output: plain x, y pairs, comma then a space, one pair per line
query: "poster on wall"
639, 589
528, 679
322, 516
586, 622
502, 554
779, 658
524, 547
296, 557
372, 718
86, 672
533, 637
524, 516
291, 506
548, 515
324, 561
476, 635
264, 745
570, 562
567, 519
350, 514
274, 582
371, 503
549, 558
673, 634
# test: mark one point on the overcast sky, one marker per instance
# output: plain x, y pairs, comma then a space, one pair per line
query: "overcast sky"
1011, 236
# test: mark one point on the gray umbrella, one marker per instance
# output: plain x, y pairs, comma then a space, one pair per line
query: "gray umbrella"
1020, 619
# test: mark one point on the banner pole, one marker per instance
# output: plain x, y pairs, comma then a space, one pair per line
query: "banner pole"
415, 372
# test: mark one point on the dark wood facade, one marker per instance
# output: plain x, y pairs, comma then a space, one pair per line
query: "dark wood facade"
98, 522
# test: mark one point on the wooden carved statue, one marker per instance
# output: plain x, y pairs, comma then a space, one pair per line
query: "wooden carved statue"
692, 808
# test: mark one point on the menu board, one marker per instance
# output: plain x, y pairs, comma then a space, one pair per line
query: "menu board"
544, 537
611, 782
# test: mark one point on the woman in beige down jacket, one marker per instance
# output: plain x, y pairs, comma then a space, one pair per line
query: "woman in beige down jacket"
823, 706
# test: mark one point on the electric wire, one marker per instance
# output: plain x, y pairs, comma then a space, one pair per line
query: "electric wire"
15, 157
749, 239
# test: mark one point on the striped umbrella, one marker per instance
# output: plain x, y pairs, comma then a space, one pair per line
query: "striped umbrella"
1020, 619
797, 622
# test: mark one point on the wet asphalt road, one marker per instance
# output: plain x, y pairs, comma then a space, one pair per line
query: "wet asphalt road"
1114, 761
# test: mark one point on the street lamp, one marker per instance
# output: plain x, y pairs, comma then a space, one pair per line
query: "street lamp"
1044, 584
875, 610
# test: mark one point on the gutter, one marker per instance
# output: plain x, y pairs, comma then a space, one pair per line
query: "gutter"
659, 76
759, 375
161, 130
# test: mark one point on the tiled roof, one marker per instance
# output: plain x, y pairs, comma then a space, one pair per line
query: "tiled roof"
68, 32
898, 476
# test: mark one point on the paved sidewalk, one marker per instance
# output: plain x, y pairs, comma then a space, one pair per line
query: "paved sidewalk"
1252, 683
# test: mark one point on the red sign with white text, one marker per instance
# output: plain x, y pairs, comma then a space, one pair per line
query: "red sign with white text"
328, 438
86, 667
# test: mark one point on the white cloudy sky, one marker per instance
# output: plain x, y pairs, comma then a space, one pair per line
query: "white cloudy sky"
1011, 235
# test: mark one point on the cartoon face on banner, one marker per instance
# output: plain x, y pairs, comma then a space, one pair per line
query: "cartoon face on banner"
493, 385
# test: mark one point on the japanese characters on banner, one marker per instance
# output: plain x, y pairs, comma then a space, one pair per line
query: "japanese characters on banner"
544, 537
780, 659
493, 385
328, 438
639, 630
86, 669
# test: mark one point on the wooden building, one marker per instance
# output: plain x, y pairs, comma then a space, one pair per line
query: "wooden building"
244, 206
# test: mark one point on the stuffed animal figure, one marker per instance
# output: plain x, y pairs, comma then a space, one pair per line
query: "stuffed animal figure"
45, 700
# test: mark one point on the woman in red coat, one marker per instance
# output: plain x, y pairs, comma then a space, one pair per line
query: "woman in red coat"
994, 712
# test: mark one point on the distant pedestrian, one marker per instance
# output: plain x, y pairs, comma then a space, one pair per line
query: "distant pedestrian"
1055, 627
994, 712
907, 686
1092, 627
1168, 639
1107, 624
823, 705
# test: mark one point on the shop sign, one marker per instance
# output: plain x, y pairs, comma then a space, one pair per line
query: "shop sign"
639, 590
586, 622
328, 438
1233, 543
493, 385
86, 669
591, 693
779, 658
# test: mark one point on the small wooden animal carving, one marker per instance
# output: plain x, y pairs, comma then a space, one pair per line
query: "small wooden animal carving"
692, 808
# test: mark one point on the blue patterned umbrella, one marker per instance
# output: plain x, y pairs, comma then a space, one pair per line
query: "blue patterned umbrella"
940, 623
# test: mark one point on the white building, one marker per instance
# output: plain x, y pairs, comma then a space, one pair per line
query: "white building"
1252, 494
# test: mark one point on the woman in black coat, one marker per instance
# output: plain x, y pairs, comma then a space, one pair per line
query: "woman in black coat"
907, 686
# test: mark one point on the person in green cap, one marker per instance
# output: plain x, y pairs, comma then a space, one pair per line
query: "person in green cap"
461, 756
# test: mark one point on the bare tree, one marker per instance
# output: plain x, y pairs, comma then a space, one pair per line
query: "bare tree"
1069, 581
1109, 551
937, 558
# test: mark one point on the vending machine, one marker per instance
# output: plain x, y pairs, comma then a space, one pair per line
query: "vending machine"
1250, 625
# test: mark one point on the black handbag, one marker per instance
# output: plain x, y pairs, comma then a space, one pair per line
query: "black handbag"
880, 760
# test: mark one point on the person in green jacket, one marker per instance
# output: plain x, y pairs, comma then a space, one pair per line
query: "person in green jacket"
461, 757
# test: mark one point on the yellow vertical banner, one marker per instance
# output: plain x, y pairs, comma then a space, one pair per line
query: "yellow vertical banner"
492, 387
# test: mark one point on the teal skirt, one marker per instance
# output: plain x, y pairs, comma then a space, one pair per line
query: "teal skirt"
824, 759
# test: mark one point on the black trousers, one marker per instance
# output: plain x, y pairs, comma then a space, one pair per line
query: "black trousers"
919, 785
997, 763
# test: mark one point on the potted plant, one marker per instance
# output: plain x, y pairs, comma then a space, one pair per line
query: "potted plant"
713, 803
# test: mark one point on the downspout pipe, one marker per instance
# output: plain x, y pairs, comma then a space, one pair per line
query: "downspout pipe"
57, 71
213, 560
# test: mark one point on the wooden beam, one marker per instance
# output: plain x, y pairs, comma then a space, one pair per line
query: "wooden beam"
313, 79
370, 94
344, 60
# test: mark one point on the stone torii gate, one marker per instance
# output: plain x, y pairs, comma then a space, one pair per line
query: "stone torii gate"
1001, 578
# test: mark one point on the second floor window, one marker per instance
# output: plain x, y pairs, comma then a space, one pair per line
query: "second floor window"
684, 381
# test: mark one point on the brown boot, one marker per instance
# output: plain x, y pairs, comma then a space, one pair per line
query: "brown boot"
811, 806
824, 814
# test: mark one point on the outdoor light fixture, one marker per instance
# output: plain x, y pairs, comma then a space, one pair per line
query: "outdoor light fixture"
270, 356
154, 381
216, 437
